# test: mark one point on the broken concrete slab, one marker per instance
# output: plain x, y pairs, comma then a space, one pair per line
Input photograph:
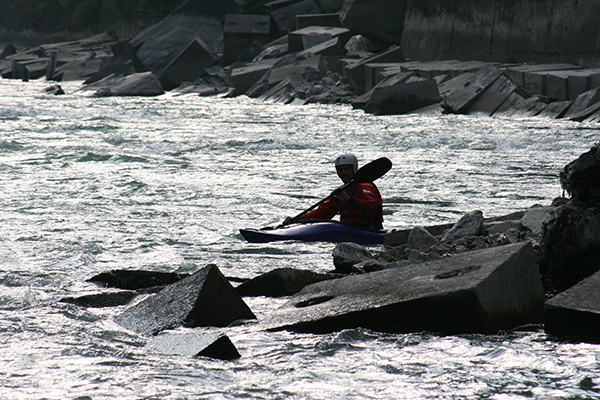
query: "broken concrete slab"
195, 344
297, 39
281, 282
583, 101
355, 71
240, 30
396, 96
460, 100
333, 20
575, 313
452, 84
556, 109
515, 100
493, 97
529, 107
244, 77
205, 298
482, 291
284, 17
586, 113
189, 65
140, 84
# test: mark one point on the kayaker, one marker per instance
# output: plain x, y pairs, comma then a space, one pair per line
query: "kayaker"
359, 205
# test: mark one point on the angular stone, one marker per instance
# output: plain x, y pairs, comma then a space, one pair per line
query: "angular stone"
460, 100
529, 107
355, 72
573, 82
243, 78
98, 300
378, 20
391, 97
140, 84
285, 17
493, 227
281, 282
345, 255
189, 65
297, 38
420, 239
534, 218
135, 279
476, 292
556, 109
515, 100
333, 20
398, 237
575, 313
452, 84
205, 298
579, 108
241, 30
494, 96
212, 344
468, 225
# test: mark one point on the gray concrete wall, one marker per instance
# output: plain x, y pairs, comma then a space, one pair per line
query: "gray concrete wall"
540, 31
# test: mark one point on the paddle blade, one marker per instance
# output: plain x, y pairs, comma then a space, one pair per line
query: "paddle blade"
373, 170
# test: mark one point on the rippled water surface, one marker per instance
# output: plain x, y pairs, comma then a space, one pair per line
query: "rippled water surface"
165, 184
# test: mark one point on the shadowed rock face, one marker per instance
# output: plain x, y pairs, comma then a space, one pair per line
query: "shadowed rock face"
205, 298
160, 44
378, 20
482, 291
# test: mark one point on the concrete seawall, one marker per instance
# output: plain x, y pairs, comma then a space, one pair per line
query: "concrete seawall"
526, 31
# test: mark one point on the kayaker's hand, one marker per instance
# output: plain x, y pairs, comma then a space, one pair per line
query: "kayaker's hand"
287, 221
342, 196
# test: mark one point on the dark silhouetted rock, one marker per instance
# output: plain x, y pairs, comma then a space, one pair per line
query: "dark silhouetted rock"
575, 313
205, 298
477, 292
378, 20
196, 344
157, 46
135, 279
281, 282
55, 90
9, 50
346, 255
581, 177
99, 300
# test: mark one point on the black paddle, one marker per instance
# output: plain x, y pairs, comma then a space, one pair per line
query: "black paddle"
367, 173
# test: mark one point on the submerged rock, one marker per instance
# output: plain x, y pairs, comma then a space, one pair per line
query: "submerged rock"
195, 344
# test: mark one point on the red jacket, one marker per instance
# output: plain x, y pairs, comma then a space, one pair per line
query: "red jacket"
364, 207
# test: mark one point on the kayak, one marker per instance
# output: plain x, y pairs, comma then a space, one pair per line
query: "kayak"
325, 231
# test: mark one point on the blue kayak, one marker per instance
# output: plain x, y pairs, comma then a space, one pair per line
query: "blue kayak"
326, 231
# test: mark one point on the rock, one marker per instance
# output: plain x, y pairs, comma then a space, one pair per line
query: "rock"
139, 84
332, 20
305, 38
393, 97
242, 78
581, 177
157, 46
285, 16
99, 300
399, 237
189, 65
534, 218
117, 67
55, 90
570, 246
493, 97
575, 313
469, 225
135, 279
378, 20
9, 50
281, 282
461, 99
240, 31
493, 227
420, 239
478, 292
211, 344
204, 298
355, 71
346, 254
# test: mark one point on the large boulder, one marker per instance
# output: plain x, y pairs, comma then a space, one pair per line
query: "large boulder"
476, 292
281, 282
140, 84
378, 20
156, 47
581, 177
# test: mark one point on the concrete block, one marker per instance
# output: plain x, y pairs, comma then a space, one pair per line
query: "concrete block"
493, 97
556, 109
281, 282
460, 100
476, 292
529, 107
333, 20
332, 47
577, 81
195, 344
240, 30
205, 298
450, 85
518, 73
586, 113
398, 237
285, 15
593, 119
243, 78
582, 102
396, 97
575, 313
377, 72
297, 38
355, 72
513, 101
189, 65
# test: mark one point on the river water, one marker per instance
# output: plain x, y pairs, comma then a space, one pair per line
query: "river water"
165, 184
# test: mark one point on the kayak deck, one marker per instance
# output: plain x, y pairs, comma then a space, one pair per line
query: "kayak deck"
326, 231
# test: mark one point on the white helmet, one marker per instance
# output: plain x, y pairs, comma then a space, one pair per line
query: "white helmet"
347, 159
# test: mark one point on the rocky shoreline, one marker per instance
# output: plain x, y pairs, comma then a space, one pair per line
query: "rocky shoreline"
480, 275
